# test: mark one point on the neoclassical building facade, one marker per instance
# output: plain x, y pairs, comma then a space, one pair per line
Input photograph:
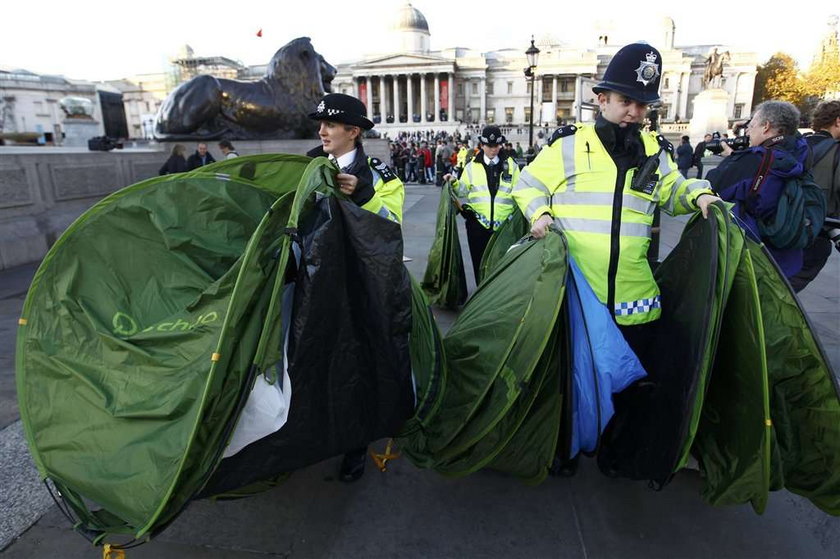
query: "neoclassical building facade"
414, 88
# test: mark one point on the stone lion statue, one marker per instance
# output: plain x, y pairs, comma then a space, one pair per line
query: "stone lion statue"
274, 107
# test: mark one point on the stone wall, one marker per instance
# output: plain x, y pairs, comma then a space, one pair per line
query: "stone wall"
43, 190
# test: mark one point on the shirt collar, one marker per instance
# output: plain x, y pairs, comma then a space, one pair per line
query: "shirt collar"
347, 159
493, 161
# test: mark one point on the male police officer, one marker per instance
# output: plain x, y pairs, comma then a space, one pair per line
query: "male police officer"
587, 182
486, 182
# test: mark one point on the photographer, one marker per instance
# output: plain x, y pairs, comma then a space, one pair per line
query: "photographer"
773, 131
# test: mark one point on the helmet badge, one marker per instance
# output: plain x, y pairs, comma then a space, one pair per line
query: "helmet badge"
648, 70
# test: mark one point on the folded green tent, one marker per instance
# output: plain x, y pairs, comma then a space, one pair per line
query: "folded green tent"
507, 235
150, 319
444, 281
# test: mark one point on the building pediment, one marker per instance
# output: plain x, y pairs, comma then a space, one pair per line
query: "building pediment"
402, 60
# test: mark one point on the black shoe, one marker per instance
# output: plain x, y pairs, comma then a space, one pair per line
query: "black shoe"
352, 466
564, 468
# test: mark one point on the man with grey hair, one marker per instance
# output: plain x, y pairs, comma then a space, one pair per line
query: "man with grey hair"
772, 131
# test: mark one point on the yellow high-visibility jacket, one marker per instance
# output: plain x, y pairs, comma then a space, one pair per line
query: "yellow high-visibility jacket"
390, 192
490, 211
606, 223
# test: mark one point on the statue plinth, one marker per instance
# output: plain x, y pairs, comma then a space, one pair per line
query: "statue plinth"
77, 131
709, 114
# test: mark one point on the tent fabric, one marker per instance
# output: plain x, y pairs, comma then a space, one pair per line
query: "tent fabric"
602, 362
348, 350
444, 281
495, 346
150, 319
507, 235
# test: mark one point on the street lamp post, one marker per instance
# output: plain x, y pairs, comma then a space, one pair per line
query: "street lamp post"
532, 54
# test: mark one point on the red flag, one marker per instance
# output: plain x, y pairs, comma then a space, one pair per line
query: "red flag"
259, 33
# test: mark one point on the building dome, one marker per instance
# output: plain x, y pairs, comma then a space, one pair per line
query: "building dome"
409, 18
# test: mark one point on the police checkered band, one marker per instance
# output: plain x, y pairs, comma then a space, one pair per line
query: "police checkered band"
640, 306
492, 139
320, 107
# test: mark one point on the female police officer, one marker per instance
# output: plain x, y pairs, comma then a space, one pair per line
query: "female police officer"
486, 182
369, 182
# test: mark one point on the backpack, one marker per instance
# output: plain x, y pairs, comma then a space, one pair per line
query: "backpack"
826, 155
800, 212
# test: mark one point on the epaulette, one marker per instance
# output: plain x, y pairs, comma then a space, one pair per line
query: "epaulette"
562, 132
666, 145
383, 169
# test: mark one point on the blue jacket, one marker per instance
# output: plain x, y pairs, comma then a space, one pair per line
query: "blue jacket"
602, 362
734, 177
685, 155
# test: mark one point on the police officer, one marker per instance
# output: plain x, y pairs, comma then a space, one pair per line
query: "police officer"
588, 182
486, 182
369, 182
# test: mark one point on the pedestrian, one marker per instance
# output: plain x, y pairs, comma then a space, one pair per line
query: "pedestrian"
519, 152
486, 182
227, 149
685, 156
369, 183
176, 162
825, 147
200, 158
699, 152
772, 131
428, 163
579, 183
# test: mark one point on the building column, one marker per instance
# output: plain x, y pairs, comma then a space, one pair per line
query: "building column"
423, 98
409, 97
396, 98
554, 91
684, 78
450, 110
482, 92
382, 99
369, 98
436, 112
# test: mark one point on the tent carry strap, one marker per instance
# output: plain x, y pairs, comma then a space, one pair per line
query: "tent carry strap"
381, 460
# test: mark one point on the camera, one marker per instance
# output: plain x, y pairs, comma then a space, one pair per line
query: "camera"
737, 143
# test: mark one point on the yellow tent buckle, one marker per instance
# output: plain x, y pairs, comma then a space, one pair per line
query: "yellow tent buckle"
22, 321
215, 357
381, 460
110, 552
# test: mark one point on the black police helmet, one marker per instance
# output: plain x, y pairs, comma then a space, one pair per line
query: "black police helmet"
338, 107
634, 71
491, 136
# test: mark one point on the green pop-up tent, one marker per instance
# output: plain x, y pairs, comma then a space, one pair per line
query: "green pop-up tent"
152, 317
444, 280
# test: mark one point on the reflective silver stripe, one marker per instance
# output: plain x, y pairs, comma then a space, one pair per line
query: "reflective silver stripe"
530, 181
488, 199
536, 204
604, 227
223, 176
672, 200
569, 162
384, 212
603, 199
664, 165
469, 172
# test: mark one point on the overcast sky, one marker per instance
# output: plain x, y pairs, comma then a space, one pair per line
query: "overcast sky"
98, 39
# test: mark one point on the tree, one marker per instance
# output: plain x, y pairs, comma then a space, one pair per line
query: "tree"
779, 79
